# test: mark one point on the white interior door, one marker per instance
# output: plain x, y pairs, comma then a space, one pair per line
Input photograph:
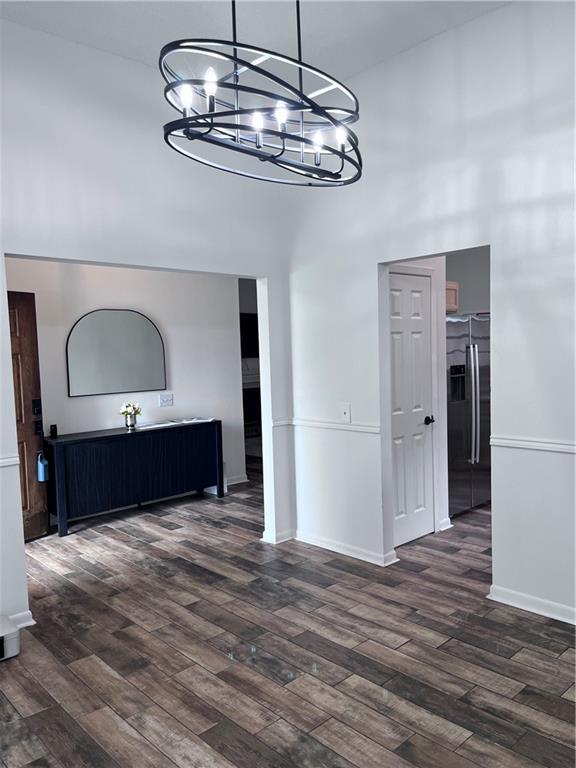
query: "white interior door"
411, 395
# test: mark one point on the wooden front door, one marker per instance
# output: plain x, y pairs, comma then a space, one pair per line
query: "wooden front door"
27, 395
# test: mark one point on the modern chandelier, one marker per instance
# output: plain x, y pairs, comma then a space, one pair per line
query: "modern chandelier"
284, 120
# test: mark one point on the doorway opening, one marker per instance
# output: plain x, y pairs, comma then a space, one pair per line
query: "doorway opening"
196, 316
251, 400
435, 384
468, 379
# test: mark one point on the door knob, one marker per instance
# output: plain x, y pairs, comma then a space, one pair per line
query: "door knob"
429, 420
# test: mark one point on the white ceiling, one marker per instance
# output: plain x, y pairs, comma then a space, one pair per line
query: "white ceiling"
339, 36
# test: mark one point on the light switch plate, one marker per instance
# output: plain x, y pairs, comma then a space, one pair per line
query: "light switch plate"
165, 399
345, 413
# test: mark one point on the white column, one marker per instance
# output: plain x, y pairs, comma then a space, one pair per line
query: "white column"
276, 403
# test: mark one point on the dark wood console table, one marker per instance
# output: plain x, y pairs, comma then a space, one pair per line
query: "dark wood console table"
94, 472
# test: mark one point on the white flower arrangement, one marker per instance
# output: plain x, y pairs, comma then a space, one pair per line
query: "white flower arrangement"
130, 409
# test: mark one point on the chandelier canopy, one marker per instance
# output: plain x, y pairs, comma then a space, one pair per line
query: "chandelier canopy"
284, 120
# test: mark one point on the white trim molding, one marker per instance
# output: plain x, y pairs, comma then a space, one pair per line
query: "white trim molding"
340, 548
342, 426
23, 619
277, 538
390, 558
9, 461
533, 604
213, 490
236, 479
371, 429
532, 444
282, 423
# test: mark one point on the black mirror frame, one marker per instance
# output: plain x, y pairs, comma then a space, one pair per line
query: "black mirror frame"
121, 392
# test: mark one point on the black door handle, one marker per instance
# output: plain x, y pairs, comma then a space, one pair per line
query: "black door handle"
429, 420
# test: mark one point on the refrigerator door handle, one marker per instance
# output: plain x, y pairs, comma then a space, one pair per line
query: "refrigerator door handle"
472, 370
477, 387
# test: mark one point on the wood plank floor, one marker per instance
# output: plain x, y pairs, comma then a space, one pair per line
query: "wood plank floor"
174, 637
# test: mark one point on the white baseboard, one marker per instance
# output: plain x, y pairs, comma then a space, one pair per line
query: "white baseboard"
443, 525
277, 538
533, 604
236, 480
23, 619
340, 548
390, 558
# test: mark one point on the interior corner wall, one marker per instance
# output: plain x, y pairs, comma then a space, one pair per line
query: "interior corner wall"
197, 316
467, 140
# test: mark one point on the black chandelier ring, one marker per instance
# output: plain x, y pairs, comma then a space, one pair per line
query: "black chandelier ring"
303, 135
215, 122
200, 46
186, 128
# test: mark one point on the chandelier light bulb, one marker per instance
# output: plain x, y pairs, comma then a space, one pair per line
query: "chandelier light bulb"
341, 137
210, 82
258, 123
186, 95
281, 113
317, 141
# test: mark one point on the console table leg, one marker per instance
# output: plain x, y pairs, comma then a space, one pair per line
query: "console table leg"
62, 526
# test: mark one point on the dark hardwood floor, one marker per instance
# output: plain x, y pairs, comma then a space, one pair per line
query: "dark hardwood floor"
174, 637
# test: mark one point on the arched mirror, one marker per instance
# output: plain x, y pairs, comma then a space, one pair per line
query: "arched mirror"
110, 351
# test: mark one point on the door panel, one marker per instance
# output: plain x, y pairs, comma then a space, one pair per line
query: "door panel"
24, 478
18, 393
26, 376
399, 459
411, 394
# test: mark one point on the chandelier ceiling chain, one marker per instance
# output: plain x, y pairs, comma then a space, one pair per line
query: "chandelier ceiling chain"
246, 102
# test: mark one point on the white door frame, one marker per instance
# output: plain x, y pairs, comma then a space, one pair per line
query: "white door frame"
435, 269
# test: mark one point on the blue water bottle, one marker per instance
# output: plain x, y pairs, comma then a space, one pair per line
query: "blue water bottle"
42, 467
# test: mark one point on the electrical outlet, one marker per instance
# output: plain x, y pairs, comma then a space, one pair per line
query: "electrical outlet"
165, 399
345, 413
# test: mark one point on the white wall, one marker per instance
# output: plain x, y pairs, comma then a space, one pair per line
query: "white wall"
96, 183
467, 140
471, 270
197, 316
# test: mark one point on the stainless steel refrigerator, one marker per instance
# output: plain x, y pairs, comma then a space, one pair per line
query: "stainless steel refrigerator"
468, 369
